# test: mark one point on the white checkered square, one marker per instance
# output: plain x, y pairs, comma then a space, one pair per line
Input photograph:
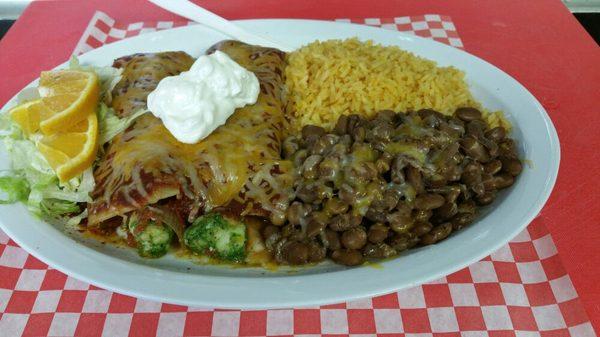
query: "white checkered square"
195, 309
5, 295
448, 25
504, 254
63, 324
419, 25
363, 303
389, 26
463, 294
13, 324
30, 279
98, 34
411, 298
402, 20
531, 272
441, 280
522, 237
46, 301
334, 321
135, 26
97, 301
117, 325
75, 284
545, 247
483, 271
521, 333
171, 324
474, 334
548, 317
373, 21
454, 42
442, 319
101, 16
14, 257
514, 294
142, 305
432, 17
147, 30
563, 289
438, 33
225, 323
117, 33
280, 322
164, 24
496, 317
388, 321
582, 330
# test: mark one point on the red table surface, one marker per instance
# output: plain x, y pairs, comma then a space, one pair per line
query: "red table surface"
537, 42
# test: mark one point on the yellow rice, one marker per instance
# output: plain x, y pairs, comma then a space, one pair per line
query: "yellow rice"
338, 77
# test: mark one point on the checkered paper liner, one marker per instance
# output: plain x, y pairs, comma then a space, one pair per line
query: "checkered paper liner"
103, 29
521, 290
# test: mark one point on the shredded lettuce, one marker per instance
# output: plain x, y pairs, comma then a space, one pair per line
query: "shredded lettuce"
110, 125
15, 189
32, 180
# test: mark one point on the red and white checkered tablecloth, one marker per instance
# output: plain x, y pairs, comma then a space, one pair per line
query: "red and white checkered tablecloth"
521, 290
103, 29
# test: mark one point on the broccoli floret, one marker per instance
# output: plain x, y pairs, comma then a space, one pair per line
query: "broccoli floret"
153, 240
214, 235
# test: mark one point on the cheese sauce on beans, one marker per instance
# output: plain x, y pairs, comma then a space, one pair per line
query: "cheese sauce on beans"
373, 188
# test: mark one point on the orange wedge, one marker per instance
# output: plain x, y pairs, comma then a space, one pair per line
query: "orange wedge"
68, 96
27, 115
72, 151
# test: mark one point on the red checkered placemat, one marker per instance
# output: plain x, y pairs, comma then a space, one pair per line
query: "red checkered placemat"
521, 290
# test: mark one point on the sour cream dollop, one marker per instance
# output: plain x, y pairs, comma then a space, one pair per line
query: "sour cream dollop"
196, 102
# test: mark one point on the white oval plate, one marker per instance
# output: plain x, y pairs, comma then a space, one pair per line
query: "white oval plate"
179, 281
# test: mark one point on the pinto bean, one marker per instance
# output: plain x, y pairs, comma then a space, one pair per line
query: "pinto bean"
468, 114
429, 201
295, 253
511, 166
379, 251
415, 179
354, 238
496, 134
347, 257
335, 206
493, 167
503, 180
438, 233
474, 149
310, 130
400, 222
333, 240
377, 233
422, 228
